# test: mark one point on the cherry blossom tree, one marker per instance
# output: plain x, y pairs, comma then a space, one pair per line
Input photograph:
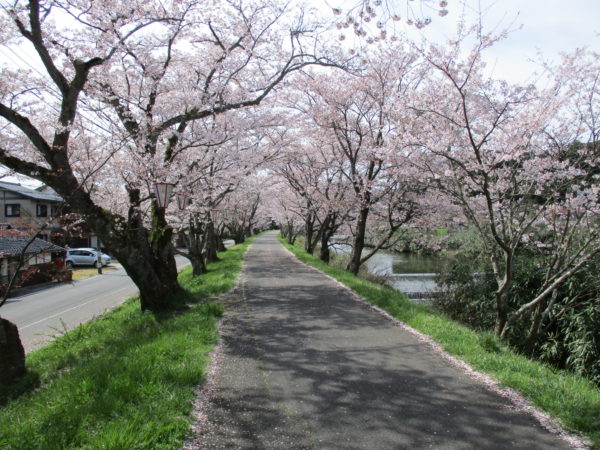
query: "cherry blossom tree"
302, 178
378, 20
356, 123
211, 171
499, 151
316, 185
239, 212
120, 87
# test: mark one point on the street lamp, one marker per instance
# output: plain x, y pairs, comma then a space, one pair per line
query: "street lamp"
163, 194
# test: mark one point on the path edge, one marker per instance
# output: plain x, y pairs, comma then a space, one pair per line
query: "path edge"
205, 390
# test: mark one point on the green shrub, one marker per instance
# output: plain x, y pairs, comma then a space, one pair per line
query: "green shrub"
466, 296
569, 339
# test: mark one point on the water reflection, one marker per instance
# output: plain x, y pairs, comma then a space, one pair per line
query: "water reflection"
406, 263
411, 274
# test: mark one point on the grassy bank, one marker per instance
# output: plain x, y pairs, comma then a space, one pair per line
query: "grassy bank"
567, 397
125, 380
80, 273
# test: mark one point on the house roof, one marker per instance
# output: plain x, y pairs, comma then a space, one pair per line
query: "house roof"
13, 246
47, 195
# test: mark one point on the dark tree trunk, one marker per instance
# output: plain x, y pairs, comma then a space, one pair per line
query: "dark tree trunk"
198, 265
327, 230
236, 233
309, 232
153, 270
289, 233
195, 239
325, 253
148, 256
195, 254
211, 243
220, 245
358, 243
12, 354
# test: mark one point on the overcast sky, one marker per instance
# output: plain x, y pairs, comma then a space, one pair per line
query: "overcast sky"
548, 27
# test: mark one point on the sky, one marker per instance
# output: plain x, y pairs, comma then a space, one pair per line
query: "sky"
548, 27
540, 28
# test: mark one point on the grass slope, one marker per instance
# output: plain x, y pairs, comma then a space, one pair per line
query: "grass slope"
125, 380
572, 399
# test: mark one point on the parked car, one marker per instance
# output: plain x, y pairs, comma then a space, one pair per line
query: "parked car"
85, 257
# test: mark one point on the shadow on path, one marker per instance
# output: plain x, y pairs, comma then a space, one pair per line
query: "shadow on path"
306, 366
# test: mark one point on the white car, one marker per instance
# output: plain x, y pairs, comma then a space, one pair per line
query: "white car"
85, 257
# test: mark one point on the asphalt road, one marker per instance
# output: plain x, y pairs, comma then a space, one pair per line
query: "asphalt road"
303, 365
43, 313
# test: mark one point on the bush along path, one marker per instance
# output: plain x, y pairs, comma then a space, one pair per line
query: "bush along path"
302, 364
125, 380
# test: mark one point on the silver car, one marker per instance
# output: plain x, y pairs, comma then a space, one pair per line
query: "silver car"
85, 257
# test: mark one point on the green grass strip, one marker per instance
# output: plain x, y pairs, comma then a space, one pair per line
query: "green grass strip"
571, 399
125, 380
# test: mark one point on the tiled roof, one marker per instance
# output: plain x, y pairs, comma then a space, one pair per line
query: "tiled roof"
13, 246
49, 196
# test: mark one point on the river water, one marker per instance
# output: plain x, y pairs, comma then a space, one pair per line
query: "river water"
412, 274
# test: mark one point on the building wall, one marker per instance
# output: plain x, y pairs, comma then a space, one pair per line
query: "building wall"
28, 214
9, 265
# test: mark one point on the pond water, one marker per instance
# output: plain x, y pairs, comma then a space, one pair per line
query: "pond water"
411, 274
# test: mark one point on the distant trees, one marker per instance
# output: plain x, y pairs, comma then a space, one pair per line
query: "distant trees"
352, 154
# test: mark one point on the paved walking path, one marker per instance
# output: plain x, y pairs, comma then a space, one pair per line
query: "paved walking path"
304, 365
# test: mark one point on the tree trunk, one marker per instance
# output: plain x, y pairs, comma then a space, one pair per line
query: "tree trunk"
211, 243
198, 265
532, 337
289, 233
326, 232
153, 270
501, 315
325, 254
195, 240
309, 231
237, 233
358, 243
195, 253
147, 255
12, 353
